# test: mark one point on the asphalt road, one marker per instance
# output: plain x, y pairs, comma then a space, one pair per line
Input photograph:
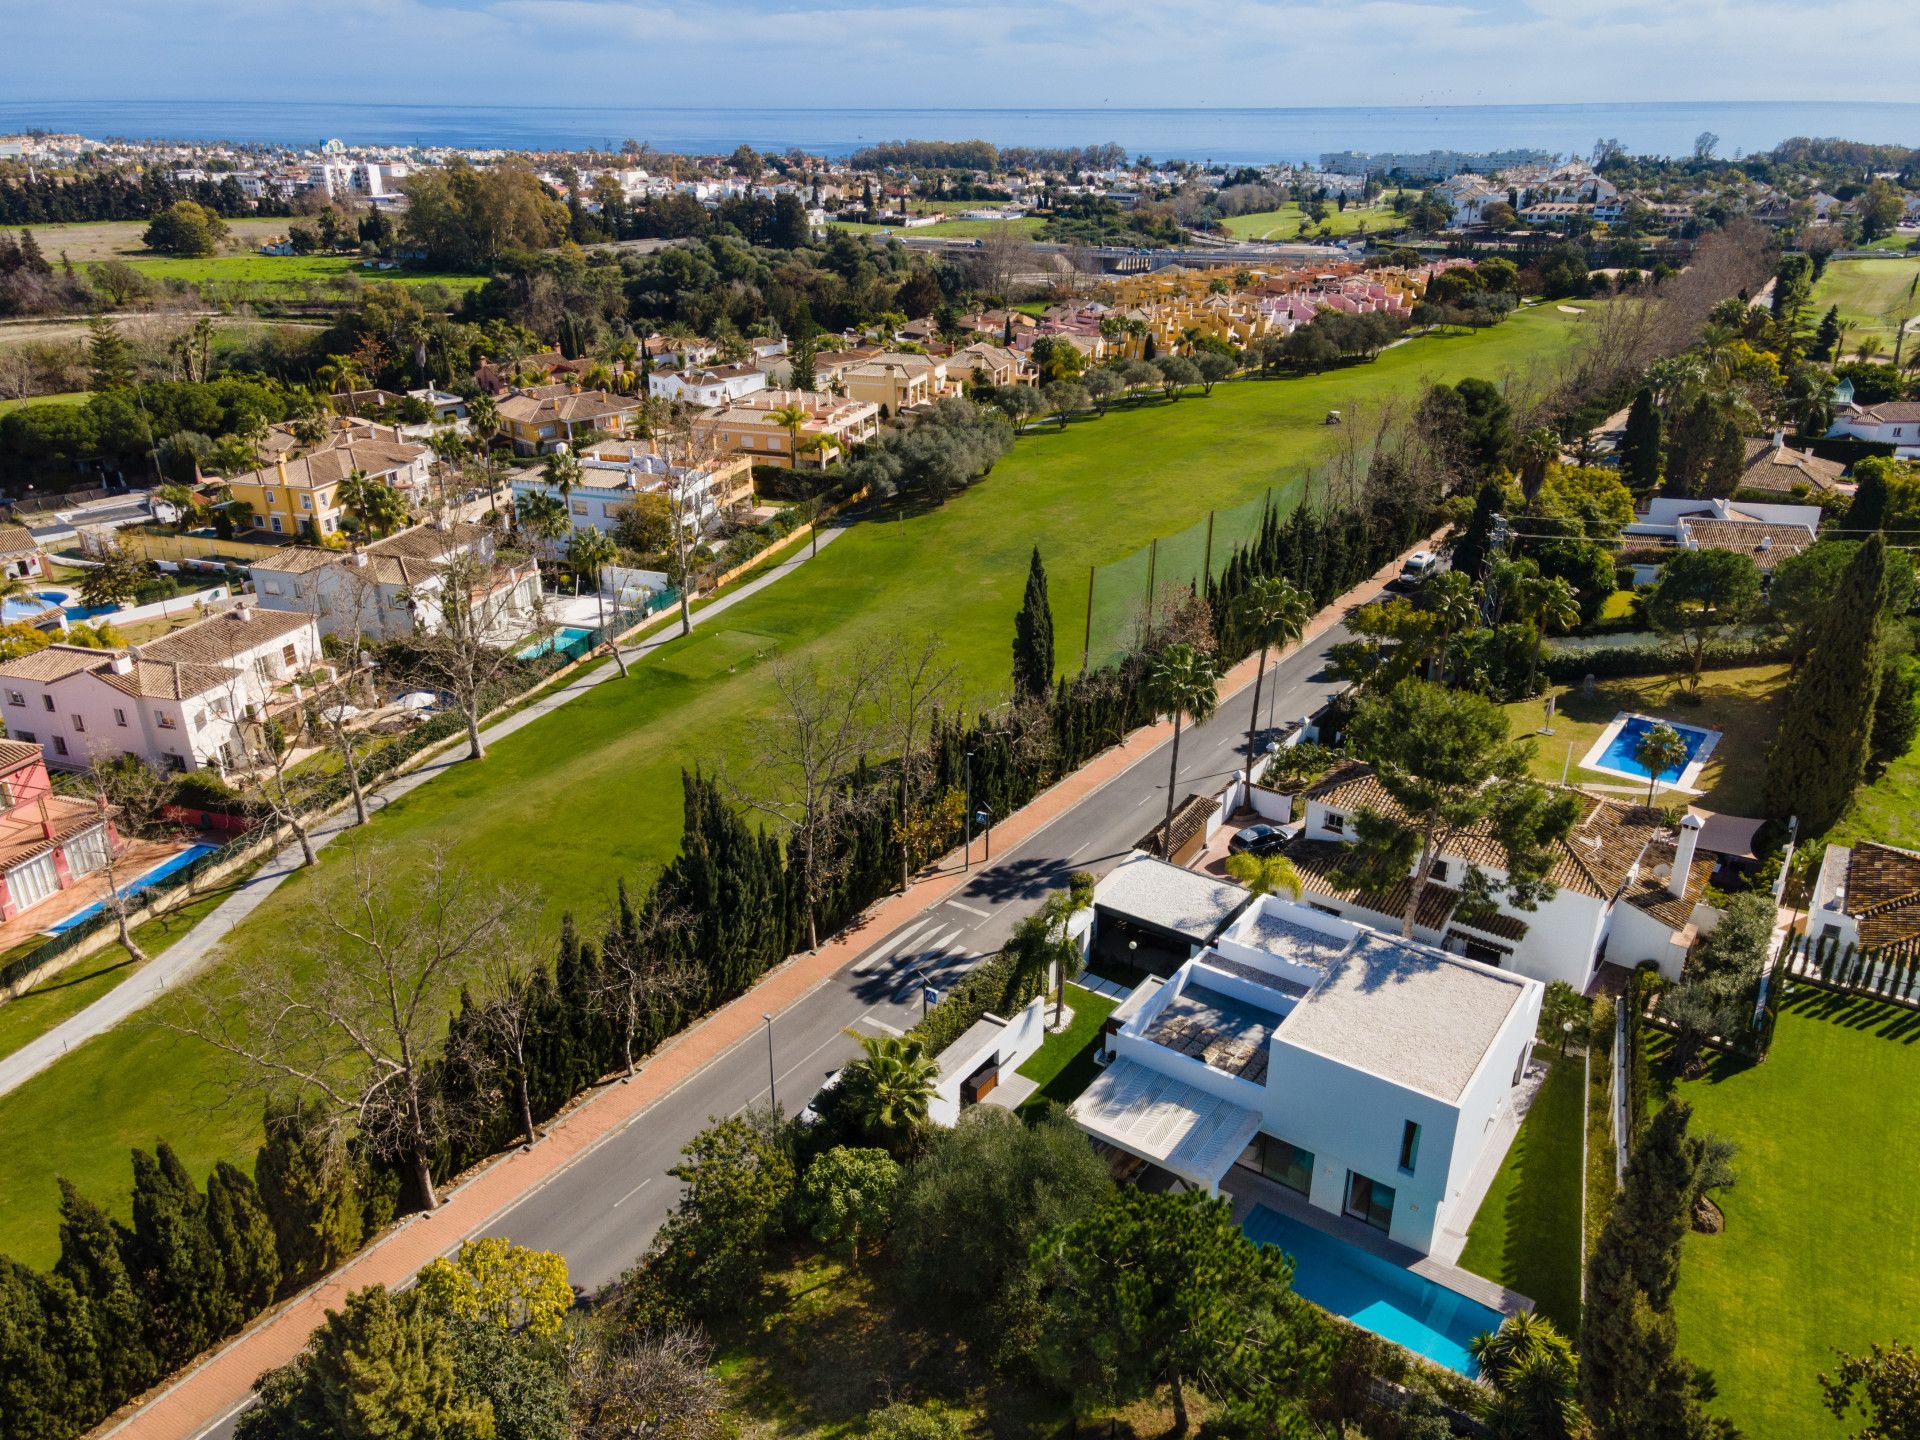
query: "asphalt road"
601, 1212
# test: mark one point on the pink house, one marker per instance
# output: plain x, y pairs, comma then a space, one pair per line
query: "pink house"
47, 841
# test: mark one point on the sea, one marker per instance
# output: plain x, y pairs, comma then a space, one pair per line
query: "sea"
1226, 136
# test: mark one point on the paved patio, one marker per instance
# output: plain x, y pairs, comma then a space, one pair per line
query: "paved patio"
136, 858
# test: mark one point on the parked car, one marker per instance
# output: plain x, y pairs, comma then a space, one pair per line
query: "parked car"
1257, 840
1417, 567
810, 1116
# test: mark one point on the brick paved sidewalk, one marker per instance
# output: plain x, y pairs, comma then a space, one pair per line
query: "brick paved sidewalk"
223, 1382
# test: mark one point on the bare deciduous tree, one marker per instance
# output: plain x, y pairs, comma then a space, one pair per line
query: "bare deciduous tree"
807, 756
510, 1015
352, 1009
471, 629
133, 793
633, 1384
639, 976
916, 685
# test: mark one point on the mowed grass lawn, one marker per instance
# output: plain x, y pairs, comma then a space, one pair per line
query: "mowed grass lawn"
1868, 294
1822, 1243
1527, 1233
1744, 704
1063, 1065
592, 793
1288, 221
64, 397
285, 273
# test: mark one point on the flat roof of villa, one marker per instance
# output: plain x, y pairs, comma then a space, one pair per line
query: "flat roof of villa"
1169, 897
1173, 1124
1407, 1013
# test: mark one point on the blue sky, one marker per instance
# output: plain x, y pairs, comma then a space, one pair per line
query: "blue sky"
1055, 53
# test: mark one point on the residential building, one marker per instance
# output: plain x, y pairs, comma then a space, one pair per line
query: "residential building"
1373, 1076
832, 427
896, 381
1867, 896
20, 555
707, 386
536, 424
1891, 422
300, 496
1626, 886
187, 700
47, 841
984, 363
1769, 533
393, 588
1774, 467
616, 472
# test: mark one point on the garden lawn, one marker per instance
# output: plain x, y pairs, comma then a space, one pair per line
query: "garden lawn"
1287, 222
591, 793
1822, 1242
1744, 704
1063, 1065
64, 397
1887, 809
1527, 1234
290, 274
1867, 293
85, 240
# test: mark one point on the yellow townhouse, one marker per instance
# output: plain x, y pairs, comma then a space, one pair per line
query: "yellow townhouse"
301, 495
537, 421
757, 427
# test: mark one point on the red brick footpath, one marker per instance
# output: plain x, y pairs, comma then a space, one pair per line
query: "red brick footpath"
223, 1382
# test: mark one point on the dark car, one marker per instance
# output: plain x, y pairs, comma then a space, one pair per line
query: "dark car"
1256, 840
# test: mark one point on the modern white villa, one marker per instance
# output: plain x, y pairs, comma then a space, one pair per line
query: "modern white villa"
1375, 1077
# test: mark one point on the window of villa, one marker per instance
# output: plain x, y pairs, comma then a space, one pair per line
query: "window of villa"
26, 735
1369, 1201
1409, 1146
59, 745
269, 497
1336, 822
14, 697
306, 502
47, 700
1438, 872
164, 720
276, 524
119, 716
1285, 1163
1323, 909
79, 724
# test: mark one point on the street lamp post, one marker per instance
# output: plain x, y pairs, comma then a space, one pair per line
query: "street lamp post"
773, 1102
966, 851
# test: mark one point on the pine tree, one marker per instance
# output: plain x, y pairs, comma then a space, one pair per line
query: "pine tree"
1651, 1216
1640, 445
1819, 755
32, 258
109, 357
1826, 339
306, 1188
243, 1237
172, 1259
1471, 550
91, 1262
1033, 637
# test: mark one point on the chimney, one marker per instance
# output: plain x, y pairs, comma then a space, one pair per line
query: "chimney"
1779, 440
122, 664
281, 462
358, 559
242, 611
1683, 849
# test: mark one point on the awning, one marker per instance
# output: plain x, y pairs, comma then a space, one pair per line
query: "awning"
1165, 1121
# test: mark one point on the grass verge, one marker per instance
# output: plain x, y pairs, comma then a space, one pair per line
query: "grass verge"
1064, 1066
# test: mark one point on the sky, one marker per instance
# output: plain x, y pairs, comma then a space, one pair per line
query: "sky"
962, 53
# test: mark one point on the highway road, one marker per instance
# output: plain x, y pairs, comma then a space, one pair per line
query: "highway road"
602, 1211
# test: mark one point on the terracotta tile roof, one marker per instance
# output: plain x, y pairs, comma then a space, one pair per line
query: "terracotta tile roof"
1188, 820
1780, 467
575, 409
297, 560
1890, 412
170, 679
1766, 544
1595, 858
1316, 860
1883, 893
1650, 893
374, 458
15, 753
219, 638
22, 836
17, 540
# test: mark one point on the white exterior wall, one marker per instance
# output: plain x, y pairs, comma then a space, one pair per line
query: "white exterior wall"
1488, 1098
1011, 1043
672, 385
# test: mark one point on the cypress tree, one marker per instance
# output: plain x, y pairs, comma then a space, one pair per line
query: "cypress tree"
244, 1239
1826, 340
172, 1259
1471, 549
49, 1375
32, 258
1868, 511
1650, 1218
1819, 755
91, 1262
1033, 637
1640, 445
307, 1189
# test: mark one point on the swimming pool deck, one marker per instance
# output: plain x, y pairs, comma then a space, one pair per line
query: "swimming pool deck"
137, 857
1684, 783
1248, 1189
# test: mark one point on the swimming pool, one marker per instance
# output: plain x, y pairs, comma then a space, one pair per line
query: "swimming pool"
1398, 1305
26, 607
1616, 752
569, 640
159, 872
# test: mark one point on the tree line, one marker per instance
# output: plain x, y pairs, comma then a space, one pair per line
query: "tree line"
125, 195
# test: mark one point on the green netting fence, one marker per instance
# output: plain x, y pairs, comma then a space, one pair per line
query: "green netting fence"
1121, 595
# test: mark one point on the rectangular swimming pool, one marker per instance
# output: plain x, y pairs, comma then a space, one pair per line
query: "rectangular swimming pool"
568, 641
1617, 750
1398, 1305
170, 866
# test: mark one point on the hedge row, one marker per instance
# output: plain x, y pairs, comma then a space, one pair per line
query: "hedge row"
1569, 667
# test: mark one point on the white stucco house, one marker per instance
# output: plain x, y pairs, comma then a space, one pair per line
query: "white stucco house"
1627, 888
1891, 422
709, 386
1867, 896
614, 473
1370, 1075
181, 702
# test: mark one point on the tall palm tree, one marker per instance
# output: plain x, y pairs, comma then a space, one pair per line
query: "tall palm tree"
541, 516
1552, 604
1183, 684
1060, 908
1275, 613
890, 1087
589, 552
562, 471
791, 418
1454, 601
1265, 874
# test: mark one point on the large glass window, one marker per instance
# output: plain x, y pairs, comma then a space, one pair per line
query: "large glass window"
1282, 1161
1369, 1200
1409, 1146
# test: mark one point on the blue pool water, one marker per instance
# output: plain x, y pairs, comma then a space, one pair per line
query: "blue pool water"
568, 641
1394, 1304
1620, 752
159, 872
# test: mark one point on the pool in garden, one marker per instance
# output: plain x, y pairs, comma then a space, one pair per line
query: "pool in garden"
570, 641
171, 865
1375, 1294
1616, 751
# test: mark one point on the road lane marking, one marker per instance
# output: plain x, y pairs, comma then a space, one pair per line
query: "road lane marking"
971, 909
633, 1192
890, 948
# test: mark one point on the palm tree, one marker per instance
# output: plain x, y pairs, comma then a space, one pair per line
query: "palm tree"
562, 471
1060, 908
1182, 684
541, 516
791, 418
1265, 874
889, 1088
375, 505
1661, 749
1274, 613
1534, 1377
1454, 601
1552, 604
589, 552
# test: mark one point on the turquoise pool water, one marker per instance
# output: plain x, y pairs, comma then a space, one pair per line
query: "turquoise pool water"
1394, 1304
159, 872
569, 641
1620, 752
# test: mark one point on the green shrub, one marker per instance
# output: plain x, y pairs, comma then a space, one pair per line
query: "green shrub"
1569, 667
